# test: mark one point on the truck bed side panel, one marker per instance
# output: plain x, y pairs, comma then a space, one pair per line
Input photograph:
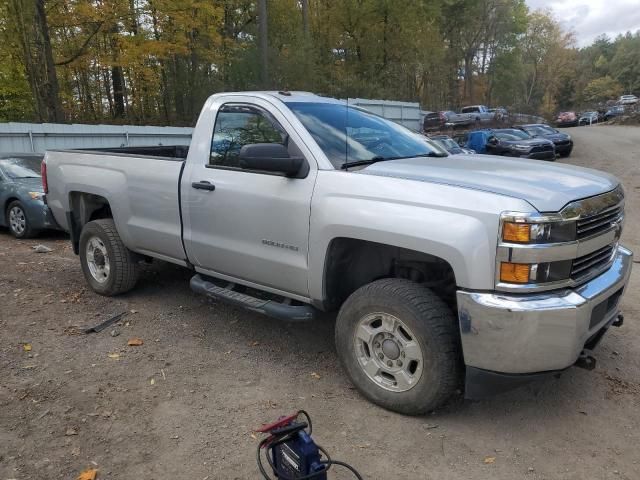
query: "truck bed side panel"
142, 193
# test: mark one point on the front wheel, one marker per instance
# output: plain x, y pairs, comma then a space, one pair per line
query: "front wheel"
109, 267
18, 222
398, 343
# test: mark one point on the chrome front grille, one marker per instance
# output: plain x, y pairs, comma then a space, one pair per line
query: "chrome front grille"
542, 148
587, 265
598, 223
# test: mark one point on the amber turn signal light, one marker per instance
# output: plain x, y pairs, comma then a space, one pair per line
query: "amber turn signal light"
516, 232
514, 272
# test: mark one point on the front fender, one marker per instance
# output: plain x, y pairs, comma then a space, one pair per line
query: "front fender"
458, 225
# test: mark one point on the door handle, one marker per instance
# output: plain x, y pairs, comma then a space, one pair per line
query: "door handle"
204, 185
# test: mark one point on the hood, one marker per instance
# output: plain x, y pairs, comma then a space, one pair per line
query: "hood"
546, 186
33, 184
528, 141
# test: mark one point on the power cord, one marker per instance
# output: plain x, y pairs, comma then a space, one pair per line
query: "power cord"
271, 442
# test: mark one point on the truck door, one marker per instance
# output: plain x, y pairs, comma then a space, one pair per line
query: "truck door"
246, 224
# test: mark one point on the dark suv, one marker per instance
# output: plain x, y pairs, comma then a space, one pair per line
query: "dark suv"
561, 141
510, 142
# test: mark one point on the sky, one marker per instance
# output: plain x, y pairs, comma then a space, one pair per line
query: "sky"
591, 18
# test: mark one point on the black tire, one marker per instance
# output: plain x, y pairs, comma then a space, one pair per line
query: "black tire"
17, 231
433, 326
123, 265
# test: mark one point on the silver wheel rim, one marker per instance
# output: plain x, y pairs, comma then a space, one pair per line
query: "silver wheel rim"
17, 220
98, 260
388, 352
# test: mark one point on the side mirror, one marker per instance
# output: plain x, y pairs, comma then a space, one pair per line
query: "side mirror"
493, 140
269, 157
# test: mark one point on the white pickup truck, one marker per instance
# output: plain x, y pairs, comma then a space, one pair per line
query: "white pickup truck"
445, 270
478, 113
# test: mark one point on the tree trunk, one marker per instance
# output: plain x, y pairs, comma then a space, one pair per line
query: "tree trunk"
305, 17
117, 80
117, 77
49, 88
468, 77
263, 43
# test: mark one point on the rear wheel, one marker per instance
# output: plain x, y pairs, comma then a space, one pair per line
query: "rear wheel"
109, 267
18, 222
397, 342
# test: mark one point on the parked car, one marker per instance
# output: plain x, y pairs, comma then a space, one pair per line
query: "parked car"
628, 100
588, 118
440, 270
614, 111
450, 145
21, 195
453, 119
561, 141
433, 121
567, 119
478, 113
510, 142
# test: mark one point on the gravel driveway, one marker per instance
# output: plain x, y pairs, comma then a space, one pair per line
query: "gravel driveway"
183, 404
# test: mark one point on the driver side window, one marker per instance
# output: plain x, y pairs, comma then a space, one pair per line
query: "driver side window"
237, 126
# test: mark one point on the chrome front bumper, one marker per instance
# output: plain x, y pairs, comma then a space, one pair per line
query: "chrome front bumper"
530, 333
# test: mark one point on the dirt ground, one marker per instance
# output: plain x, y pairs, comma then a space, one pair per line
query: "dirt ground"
183, 405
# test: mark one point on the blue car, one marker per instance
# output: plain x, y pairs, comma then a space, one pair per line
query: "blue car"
22, 196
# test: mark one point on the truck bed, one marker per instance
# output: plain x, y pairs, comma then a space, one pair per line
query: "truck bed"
140, 185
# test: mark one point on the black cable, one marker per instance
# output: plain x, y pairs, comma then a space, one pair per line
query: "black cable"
348, 467
308, 417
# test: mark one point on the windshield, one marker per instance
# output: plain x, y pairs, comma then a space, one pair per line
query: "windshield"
21, 167
348, 134
511, 135
540, 130
447, 143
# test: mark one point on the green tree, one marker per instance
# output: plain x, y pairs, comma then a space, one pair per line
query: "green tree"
602, 89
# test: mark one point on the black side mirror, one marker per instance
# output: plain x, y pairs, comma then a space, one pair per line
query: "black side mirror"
493, 140
269, 157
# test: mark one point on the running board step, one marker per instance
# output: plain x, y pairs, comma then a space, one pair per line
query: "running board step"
282, 311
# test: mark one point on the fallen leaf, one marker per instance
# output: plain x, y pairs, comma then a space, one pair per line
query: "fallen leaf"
254, 344
71, 431
253, 436
75, 451
26, 347
489, 459
88, 474
135, 342
133, 311
153, 381
115, 356
315, 375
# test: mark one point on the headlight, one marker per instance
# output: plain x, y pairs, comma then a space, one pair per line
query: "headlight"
525, 231
36, 195
534, 229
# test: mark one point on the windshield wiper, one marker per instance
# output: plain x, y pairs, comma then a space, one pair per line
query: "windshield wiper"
369, 161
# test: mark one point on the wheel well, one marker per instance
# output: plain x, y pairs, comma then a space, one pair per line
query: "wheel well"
352, 263
6, 204
85, 207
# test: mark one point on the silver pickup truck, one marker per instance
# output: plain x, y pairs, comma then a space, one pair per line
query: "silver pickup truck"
444, 270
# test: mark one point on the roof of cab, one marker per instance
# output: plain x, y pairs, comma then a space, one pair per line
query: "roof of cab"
289, 96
